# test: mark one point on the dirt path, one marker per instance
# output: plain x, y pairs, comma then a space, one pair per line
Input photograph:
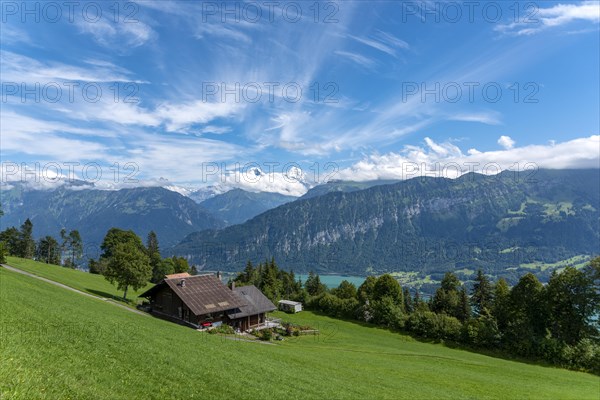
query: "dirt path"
133, 310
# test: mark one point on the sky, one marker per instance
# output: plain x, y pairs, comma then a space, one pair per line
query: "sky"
279, 96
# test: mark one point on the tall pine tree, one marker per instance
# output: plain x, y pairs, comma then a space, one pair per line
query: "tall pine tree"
481, 296
26, 242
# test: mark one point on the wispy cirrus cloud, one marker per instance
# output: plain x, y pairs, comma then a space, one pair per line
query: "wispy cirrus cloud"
50, 139
384, 42
488, 118
12, 35
356, 58
552, 17
20, 68
119, 36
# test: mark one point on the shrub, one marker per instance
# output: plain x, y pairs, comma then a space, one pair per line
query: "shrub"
482, 332
3, 252
265, 334
387, 313
584, 355
222, 329
434, 326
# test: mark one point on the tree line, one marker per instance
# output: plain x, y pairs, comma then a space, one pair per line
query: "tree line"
124, 260
20, 243
557, 322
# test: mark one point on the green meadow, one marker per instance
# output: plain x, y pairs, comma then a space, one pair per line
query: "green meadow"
80, 280
57, 344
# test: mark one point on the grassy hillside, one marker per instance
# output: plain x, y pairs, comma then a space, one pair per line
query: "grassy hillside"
89, 283
59, 344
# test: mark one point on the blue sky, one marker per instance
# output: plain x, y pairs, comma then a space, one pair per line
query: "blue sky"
162, 67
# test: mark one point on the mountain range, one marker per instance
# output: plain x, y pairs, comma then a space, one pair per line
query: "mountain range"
93, 212
503, 223
429, 225
237, 205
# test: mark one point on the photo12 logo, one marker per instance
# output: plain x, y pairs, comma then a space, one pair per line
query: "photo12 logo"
53, 12
69, 172
270, 11
254, 92
267, 171
491, 12
471, 92
71, 92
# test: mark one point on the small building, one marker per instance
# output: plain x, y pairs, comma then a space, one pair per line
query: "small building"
254, 313
200, 300
290, 306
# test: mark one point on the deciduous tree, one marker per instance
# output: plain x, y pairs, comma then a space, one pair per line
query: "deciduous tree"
571, 301
345, 290
128, 266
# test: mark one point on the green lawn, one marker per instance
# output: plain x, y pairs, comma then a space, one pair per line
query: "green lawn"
56, 344
86, 282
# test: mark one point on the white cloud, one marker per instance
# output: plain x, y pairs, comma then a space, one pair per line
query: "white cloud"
14, 35
290, 182
178, 117
356, 58
48, 139
118, 36
215, 130
383, 42
552, 17
446, 159
488, 118
506, 142
19, 68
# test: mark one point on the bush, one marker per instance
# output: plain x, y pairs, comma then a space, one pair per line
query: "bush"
434, 326
3, 252
265, 334
482, 332
584, 355
387, 313
334, 306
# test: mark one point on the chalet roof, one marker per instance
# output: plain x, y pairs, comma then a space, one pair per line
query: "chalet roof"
257, 302
203, 294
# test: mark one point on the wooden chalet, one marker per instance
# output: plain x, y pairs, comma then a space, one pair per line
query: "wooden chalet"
200, 300
203, 300
254, 313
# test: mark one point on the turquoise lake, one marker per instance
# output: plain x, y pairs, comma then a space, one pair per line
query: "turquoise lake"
332, 281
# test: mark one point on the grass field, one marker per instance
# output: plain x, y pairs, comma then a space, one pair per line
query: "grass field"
56, 344
86, 282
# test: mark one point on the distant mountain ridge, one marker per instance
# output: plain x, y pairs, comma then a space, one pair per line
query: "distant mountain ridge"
343, 186
237, 205
93, 212
423, 224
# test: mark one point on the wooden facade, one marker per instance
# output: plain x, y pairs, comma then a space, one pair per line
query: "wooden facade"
204, 300
247, 322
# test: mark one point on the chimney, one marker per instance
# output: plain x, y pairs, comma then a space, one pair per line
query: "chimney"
232, 285
219, 275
